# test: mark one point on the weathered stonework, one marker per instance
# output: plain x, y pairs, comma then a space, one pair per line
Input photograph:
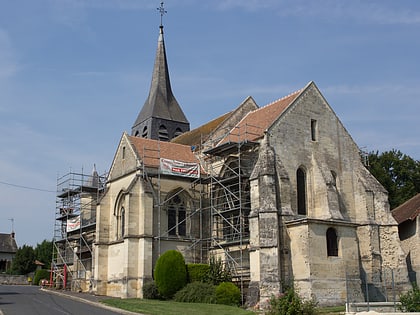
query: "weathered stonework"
315, 215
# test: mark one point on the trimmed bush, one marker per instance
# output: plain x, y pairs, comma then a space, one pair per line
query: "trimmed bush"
410, 301
170, 273
197, 292
40, 275
197, 272
150, 291
291, 303
228, 294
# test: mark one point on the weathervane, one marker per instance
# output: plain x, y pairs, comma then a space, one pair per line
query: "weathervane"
162, 11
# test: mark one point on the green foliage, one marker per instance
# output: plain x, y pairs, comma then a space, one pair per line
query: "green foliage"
290, 303
40, 275
228, 294
217, 272
170, 273
43, 252
196, 292
410, 301
155, 307
398, 173
197, 272
24, 261
150, 291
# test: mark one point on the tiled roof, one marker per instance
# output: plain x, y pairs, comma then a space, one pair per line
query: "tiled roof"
7, 243
253, 125
150, 151
409, 210
198, 135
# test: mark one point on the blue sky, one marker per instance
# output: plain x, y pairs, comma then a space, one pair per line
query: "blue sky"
75, 73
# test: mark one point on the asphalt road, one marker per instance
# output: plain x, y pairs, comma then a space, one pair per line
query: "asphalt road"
30, 300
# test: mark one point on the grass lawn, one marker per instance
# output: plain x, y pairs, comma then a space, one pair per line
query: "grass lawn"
155, 307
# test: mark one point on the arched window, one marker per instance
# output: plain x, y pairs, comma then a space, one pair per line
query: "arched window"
163, 133
177, 215
332, 242
301, 191
232, 200
120, 228
122, 222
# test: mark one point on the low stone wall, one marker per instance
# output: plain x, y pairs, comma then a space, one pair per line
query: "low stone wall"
9, 279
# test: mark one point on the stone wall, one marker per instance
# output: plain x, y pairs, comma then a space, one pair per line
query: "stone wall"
11, 279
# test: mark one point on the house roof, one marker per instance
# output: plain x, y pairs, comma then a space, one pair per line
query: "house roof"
409, 210
198, 135
150, 151
253, 125
161, 102
7, 243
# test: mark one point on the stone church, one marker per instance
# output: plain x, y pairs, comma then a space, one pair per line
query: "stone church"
280, 193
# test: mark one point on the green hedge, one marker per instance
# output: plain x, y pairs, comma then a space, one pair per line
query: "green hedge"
40, 275
197, 272
196, 292
170, 273
229, 294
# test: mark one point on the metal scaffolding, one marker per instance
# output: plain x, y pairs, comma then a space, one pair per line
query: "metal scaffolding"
74, 229
230, 160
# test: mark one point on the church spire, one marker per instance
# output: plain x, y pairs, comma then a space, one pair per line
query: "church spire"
161, 117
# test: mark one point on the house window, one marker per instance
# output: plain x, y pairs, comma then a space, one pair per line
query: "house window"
144, 134
314, 130
332, 242
176, 216
163, 133
123, 152
301, 191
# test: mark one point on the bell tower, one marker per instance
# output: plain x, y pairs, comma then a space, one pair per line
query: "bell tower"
161, 117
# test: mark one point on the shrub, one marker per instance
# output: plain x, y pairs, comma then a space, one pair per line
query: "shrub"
228, 294
40, 275
150, 291
410, 301
197, 272
170, 273
196, 292
217, 273
292, 304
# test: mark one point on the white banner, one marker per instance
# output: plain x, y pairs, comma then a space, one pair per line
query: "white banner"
172, 167
73, 224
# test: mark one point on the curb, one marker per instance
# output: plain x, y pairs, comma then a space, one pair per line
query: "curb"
79, 299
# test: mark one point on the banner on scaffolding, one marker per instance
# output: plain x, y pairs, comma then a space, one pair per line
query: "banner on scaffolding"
177, 168
73, 224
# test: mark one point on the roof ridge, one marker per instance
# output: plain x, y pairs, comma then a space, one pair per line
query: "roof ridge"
282, 98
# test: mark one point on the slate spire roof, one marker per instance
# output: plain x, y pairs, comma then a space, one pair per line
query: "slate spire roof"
8, 243
161, 103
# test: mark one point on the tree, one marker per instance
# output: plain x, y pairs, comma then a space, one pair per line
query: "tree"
170, 273
398, 173
24, 261
43, 253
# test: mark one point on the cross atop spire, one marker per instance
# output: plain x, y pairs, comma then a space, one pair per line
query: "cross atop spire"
162, 11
